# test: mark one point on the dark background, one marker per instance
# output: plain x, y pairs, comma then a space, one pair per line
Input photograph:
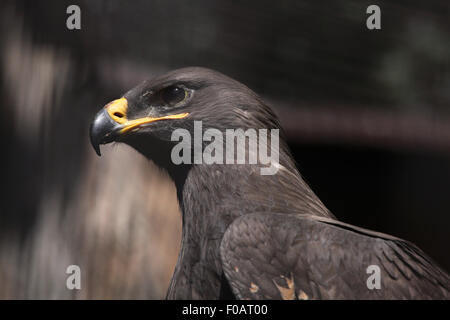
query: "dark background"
366, 113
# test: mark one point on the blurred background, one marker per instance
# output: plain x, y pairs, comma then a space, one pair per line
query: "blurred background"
366, 113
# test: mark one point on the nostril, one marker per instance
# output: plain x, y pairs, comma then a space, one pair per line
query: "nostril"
118, 114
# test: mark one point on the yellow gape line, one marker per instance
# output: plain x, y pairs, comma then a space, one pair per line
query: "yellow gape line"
117, 110
138, 122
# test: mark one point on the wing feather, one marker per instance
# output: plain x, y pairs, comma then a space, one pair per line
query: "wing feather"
288, 256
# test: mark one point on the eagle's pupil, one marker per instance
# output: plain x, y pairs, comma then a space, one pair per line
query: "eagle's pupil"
172, 95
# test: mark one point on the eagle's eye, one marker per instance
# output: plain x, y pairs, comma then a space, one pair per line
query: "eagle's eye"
173, 95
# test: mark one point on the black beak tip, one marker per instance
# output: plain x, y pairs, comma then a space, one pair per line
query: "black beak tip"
97, 150
94, 140
102, 130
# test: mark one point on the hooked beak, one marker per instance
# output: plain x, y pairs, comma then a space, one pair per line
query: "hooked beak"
111, 122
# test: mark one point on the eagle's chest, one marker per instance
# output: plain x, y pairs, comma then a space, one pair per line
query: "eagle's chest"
198, 272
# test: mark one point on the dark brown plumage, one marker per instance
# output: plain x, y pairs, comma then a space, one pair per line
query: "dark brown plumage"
247, 235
